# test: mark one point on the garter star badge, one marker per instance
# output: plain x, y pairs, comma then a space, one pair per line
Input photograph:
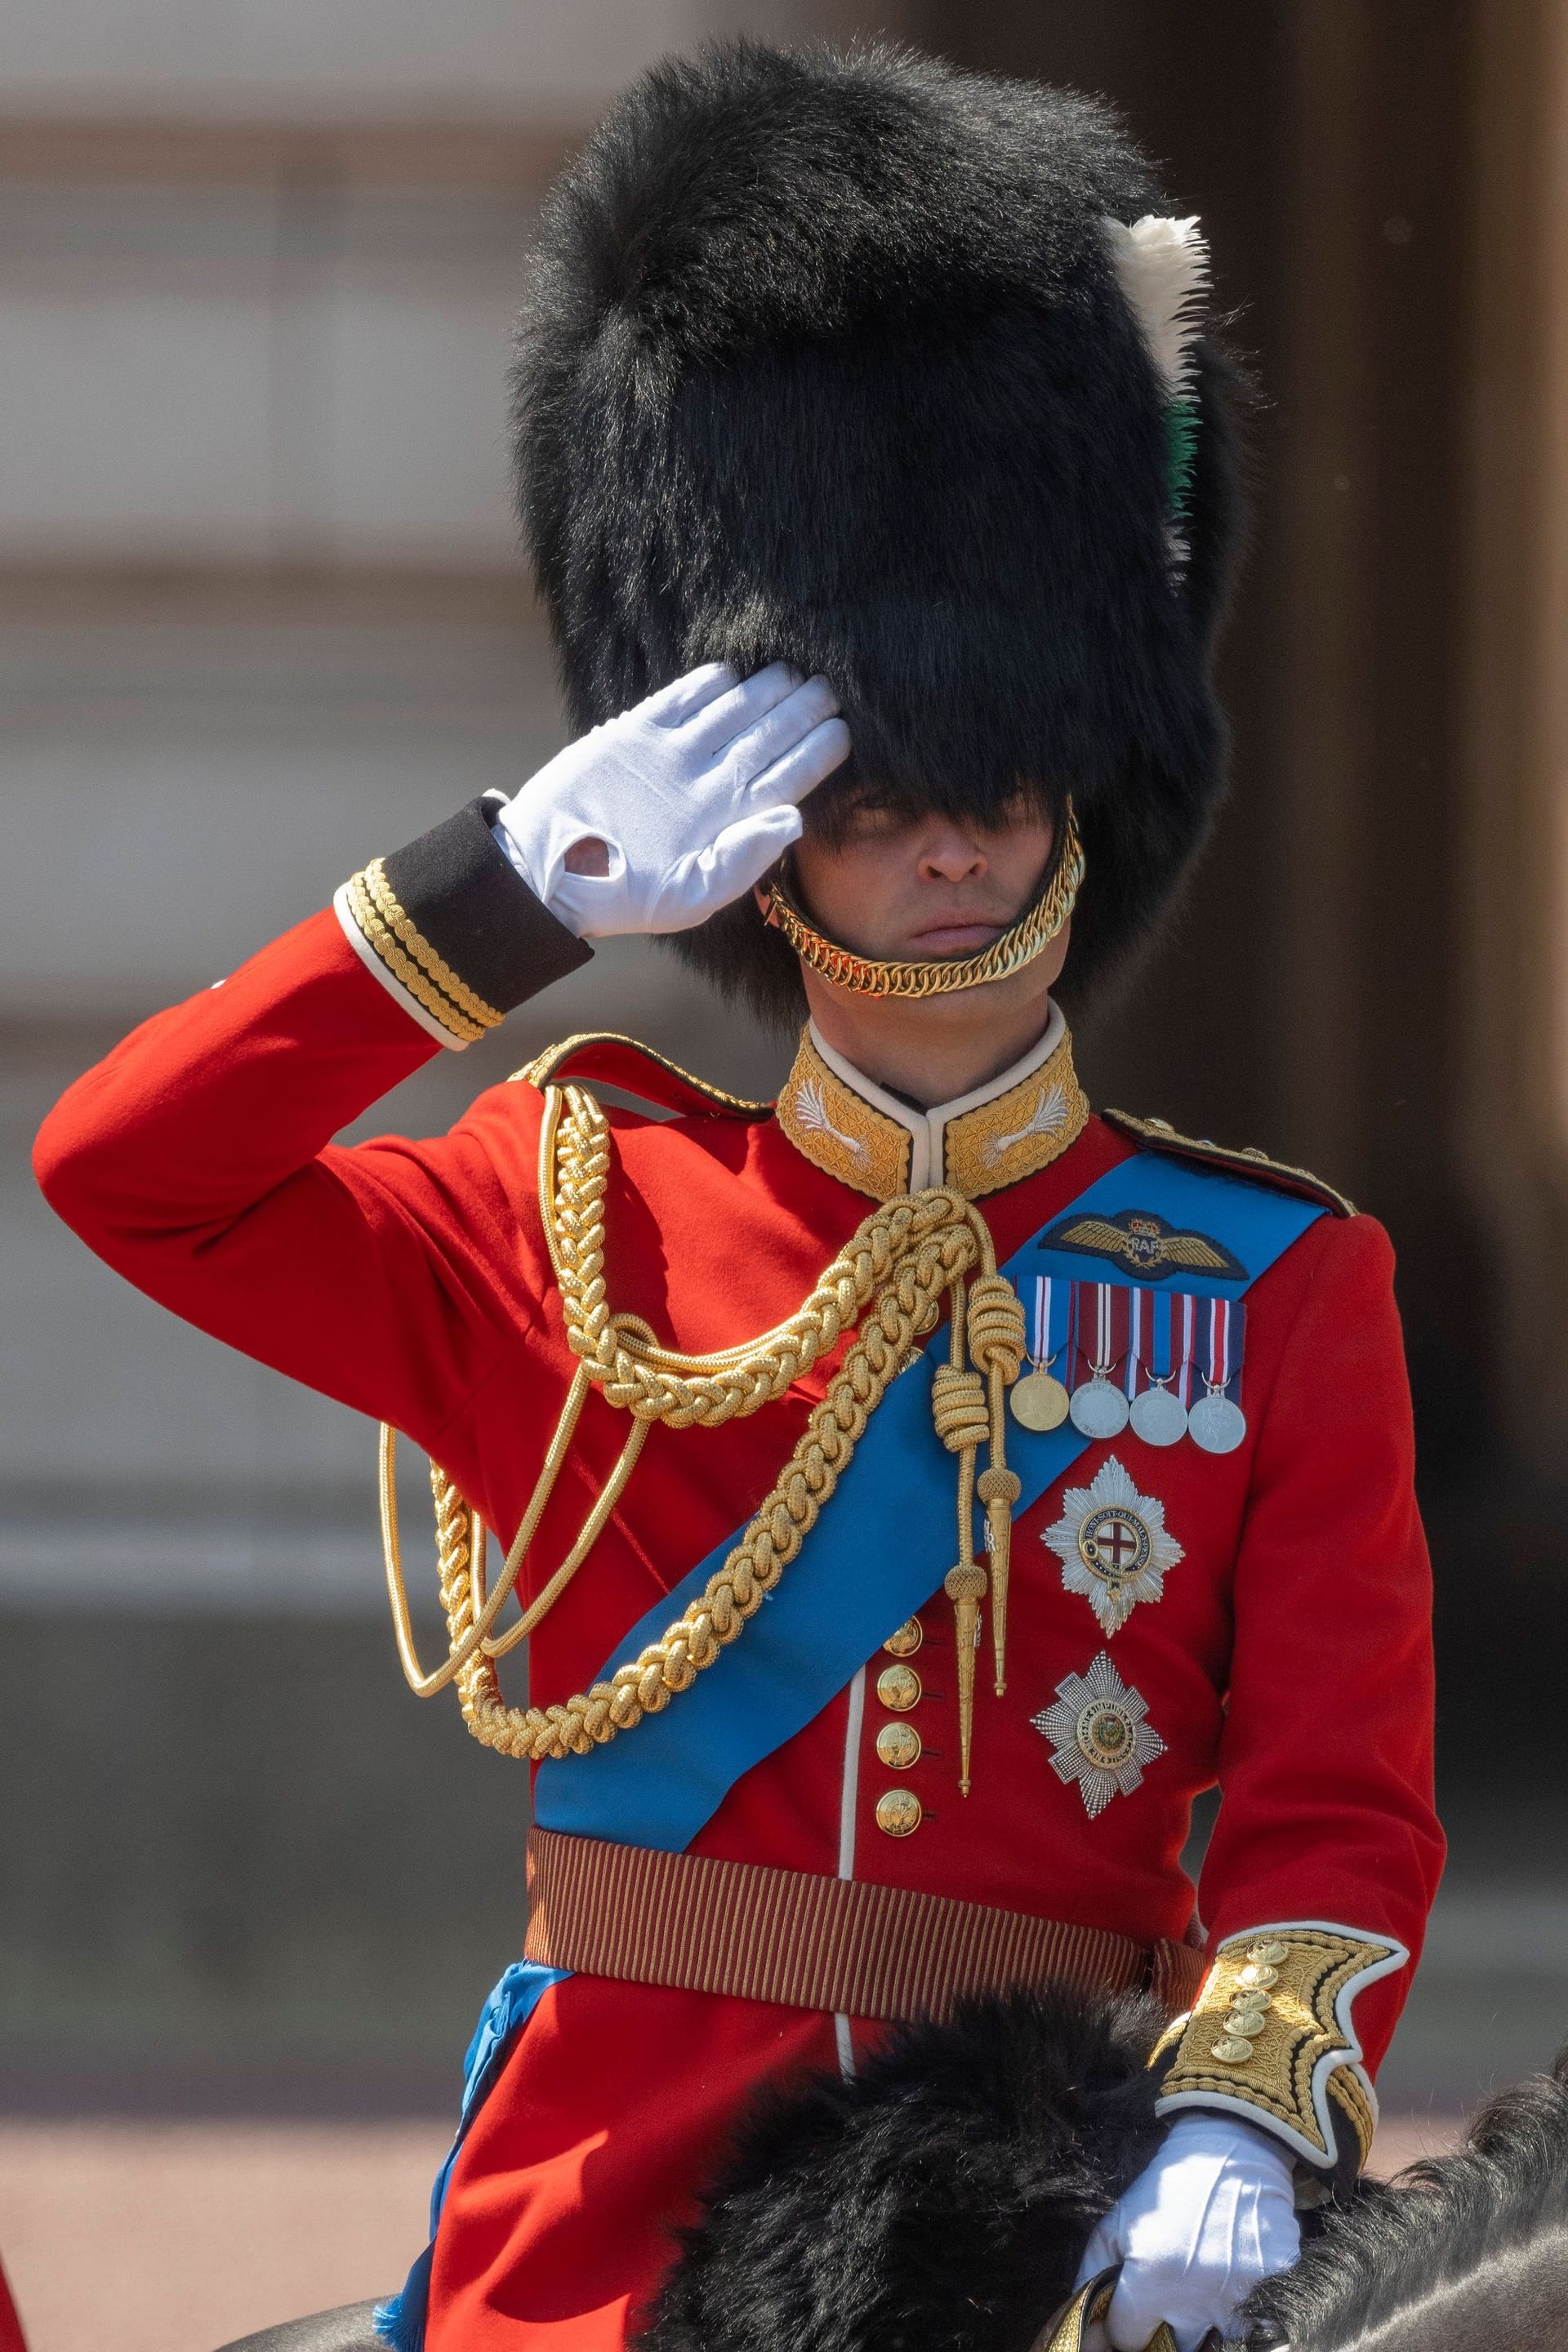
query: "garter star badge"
1098, 1735
1112, 1545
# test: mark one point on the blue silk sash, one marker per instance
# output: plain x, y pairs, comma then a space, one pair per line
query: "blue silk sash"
880, 1548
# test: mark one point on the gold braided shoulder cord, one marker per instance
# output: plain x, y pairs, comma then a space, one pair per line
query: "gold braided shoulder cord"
889, 1280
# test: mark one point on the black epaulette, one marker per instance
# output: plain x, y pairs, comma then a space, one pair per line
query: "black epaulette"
1159, 1135
636, 1069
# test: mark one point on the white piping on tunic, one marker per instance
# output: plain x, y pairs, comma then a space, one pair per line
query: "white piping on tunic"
848, 1798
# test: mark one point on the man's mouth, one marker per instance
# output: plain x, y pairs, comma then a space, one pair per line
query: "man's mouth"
953, 936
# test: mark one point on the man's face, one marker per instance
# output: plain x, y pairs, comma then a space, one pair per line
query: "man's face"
898, 887
903, 888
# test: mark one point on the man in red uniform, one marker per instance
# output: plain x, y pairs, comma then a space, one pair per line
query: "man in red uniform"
874, 471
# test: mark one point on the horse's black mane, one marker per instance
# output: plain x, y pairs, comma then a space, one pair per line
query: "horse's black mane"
1474, 2245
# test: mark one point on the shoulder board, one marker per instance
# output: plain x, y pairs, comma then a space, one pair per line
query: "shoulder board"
614, 1061
1159, 1135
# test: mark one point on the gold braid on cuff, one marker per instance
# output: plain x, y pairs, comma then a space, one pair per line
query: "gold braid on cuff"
412, 962
941, 975
1270, 2037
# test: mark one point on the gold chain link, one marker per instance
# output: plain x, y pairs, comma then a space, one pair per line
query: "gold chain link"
1022, 941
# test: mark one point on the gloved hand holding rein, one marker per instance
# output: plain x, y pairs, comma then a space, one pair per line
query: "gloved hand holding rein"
1203, 2224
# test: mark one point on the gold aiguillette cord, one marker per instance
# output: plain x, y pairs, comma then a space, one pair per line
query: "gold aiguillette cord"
886, 1285
488, 1608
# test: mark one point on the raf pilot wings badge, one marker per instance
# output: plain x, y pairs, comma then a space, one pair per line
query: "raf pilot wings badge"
1149, 1247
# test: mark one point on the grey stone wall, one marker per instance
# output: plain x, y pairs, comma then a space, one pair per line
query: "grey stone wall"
261, 615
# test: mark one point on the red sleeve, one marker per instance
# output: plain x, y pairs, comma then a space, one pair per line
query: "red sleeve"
197, 1161
11, 2337
1326, 1756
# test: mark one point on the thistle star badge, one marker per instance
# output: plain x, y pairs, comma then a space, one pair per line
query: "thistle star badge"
1112, 1545
1098, 1736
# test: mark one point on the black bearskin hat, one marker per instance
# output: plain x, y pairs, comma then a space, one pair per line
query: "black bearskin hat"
826, 359
939, 2201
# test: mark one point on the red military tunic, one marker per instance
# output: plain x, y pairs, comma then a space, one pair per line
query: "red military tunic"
1288, 1657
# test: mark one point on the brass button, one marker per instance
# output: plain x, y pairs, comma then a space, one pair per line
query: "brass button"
906, 1641
899, 1689
897, 1811
1246, 2024
1268, 1956
898, 1746
1258, 1976
1233, 2050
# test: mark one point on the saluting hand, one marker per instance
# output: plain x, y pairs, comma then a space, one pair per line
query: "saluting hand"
659, 816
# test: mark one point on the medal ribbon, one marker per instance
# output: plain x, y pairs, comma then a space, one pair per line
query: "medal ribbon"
1137, 1312
1108, 1307
1052, 1309
1079, 1358
1164, 1325
1162, 1314
1221, 1366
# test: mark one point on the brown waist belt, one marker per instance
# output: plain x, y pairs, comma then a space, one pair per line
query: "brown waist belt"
809, 1942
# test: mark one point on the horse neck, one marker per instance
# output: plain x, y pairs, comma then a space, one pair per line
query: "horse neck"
1514, 2298
1466, 2253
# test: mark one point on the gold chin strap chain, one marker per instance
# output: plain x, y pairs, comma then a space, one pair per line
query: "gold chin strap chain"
888, 1283
1019, 944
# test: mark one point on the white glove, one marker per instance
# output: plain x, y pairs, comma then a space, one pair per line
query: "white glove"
693, 792
1210, 2215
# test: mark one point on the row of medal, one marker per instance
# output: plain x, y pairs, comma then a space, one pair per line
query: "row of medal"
1166, 1363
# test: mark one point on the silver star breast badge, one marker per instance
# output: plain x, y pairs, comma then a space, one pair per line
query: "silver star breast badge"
1099, 1736
1113, 1545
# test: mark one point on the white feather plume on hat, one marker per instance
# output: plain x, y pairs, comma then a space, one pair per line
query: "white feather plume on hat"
1163, 269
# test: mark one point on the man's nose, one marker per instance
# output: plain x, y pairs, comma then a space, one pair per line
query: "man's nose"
952, 856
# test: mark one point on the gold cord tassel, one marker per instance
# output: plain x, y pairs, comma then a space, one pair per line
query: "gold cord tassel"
967, 1407
965, 1588
963, 1423
998, 1343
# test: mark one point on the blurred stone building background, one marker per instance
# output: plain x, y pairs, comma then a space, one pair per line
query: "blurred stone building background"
262, 615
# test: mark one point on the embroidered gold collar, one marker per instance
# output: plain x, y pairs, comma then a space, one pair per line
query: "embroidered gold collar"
996, 1136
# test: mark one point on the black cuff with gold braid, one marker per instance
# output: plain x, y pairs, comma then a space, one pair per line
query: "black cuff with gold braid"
1270, 2038
449, 927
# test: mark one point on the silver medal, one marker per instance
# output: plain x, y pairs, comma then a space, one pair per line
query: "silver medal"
1216, 1425
1158, 1416
1099, 1410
